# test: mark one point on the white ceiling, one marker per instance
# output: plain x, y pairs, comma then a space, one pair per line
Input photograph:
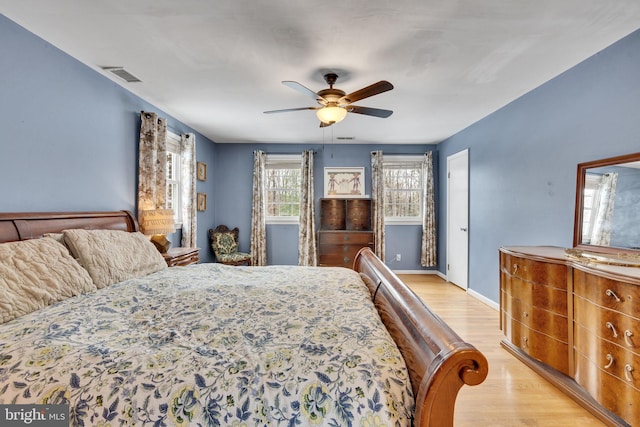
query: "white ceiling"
217, 65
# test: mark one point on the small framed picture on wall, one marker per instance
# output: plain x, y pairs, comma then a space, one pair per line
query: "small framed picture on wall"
344, 182
201, 168
202, 202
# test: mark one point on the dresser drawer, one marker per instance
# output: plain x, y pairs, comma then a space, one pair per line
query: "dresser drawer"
613, 294
613, 359
608, 324
538, 345
338, 256
538, 319
616, 394
339, 248
345, 237
535, 294
528, 270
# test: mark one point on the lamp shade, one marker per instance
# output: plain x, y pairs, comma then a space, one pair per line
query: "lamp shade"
331, 114
157, 221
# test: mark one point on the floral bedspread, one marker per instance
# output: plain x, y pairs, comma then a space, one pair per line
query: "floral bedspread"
210, 345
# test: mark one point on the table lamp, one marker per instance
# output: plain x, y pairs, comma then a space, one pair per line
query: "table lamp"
157, 223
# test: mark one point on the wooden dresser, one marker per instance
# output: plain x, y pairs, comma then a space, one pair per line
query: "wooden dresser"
577, 325
345, 228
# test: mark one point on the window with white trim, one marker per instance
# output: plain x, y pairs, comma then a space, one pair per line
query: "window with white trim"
403, 189
283, 177
591, 184
174, 184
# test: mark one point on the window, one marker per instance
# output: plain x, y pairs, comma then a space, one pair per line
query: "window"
591, 185
403, 189
282, 181
174, 187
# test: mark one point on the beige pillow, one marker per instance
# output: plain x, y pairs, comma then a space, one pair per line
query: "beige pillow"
36, 273
111, 256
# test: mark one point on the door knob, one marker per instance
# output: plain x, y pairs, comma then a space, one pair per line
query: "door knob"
463, 228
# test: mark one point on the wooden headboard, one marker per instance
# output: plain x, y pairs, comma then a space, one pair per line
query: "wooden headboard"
24, 226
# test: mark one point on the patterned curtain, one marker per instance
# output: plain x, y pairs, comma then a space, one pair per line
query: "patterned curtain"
258, 227
152, 173
377, 190
428, 253
188, 180
307, 254
603, 202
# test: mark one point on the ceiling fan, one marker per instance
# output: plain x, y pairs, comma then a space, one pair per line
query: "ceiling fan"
335, 103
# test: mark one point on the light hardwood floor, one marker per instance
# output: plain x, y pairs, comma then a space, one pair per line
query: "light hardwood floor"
512, 395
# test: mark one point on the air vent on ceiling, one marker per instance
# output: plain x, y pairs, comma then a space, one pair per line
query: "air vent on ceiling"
123, 74
346, 138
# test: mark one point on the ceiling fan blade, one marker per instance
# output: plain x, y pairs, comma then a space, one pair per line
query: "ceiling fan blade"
290, 109
305, 90
377, 112
374, 89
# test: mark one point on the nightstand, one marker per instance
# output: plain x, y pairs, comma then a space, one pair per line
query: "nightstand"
181, 256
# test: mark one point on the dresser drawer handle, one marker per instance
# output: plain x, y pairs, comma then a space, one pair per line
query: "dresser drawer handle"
515, 269
627, 372
610, 359
525, 342
525, 314
613, 329
612, 294
627, 338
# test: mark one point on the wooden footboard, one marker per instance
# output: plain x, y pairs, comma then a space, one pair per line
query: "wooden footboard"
439, 361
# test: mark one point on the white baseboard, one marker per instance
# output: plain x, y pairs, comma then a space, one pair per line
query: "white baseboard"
484, 299
471, 292
416, 272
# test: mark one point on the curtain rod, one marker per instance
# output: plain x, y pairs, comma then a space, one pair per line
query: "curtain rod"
289, 154
384, 153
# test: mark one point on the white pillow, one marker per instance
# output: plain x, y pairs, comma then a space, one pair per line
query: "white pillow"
111, 256
36, 273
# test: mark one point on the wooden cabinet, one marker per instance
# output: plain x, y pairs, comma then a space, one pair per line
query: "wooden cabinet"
181, 256
607, 342
582, 320
345, 228
534, 315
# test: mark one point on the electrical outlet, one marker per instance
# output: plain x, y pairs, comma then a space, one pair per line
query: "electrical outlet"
398, 257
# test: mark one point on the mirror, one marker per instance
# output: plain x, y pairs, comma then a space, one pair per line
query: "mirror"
607, 218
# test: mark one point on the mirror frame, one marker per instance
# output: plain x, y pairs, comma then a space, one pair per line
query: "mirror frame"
577, 226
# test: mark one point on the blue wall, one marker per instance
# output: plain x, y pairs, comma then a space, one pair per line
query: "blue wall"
523, 158
70, 140
70, 135
234, 173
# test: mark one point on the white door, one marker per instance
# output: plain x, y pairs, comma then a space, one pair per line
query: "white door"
458, 218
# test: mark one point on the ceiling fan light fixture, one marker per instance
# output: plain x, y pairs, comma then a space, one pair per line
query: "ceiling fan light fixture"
331, 114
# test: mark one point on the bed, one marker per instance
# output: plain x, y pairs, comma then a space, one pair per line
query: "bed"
132, 342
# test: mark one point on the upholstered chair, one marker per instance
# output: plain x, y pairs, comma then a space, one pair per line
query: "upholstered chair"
224, 243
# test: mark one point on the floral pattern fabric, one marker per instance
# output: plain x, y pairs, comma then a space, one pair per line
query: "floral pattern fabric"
212, 345
258, 242
429, 244
307, 248
224, 244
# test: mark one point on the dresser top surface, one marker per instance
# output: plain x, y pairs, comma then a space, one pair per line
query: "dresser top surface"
558, 254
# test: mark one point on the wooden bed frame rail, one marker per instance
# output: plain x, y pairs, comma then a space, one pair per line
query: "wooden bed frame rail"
439, 361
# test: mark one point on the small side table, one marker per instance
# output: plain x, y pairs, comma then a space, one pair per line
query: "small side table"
181, 256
